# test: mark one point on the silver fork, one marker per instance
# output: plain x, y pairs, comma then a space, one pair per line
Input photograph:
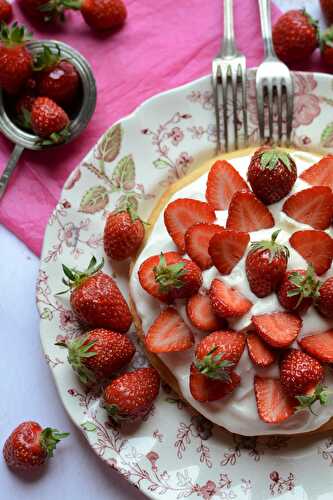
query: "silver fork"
229, 69
274, 82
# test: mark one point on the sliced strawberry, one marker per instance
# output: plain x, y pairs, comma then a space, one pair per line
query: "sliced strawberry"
319, 345
207, 389
169, 333
259, 352
274, 405
316, 247
247, 213
227, 302
222, 183
200, 312
226, 249
183, 213
312, 206
147, 276
197, 240
278, 329
321, 173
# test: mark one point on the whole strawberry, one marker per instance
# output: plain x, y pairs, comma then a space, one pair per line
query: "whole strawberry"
301, 377
49, 121
295, 36
147, 275
325, 299
181, 280
56, 78
98, 354
29, 446
43, 10
218, 354
265, 265
131, 395
326, 45
96, 299
327, 8
272, 174
6, 11
15, 59
298, 289
123, 234
100, 15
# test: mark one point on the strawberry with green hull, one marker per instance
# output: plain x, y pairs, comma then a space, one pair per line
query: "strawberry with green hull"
123, 234
98, 354
6, 11
29, 446
56, 77
273, 403
169, 333
316, 247
298, 290
226, 249
295, 36
43, 10
15, 59
271, 174
100, 15
49, 121
325, 298
265, 265
326, 46
131, 395
147, 275
183, 213
301, 377
96, 299
206, 389
222, 183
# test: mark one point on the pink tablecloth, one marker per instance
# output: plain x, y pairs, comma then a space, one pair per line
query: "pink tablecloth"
164, 44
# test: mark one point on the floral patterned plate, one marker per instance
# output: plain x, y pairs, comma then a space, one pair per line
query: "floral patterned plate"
175, 453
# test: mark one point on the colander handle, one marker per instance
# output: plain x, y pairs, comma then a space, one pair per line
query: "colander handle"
14, 158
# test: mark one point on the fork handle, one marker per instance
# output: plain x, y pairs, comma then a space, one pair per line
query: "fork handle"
228, 47
14, 158
266, 27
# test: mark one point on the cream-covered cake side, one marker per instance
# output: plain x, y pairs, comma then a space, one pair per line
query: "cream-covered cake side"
237, 412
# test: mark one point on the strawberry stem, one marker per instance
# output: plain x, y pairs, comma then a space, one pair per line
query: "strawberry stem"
275, 249
169, 276
304, 286
78, 350
12, 36
213, 366
320, 394
49, 438
47, 58
75, 277
269, 158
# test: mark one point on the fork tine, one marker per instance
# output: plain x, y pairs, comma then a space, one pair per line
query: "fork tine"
270, 108
224, 84
234, 86
290, 109
243, 83
260, 111
279, 111
215, 77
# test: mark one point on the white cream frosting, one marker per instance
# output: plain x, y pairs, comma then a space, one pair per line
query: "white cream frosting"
237, 412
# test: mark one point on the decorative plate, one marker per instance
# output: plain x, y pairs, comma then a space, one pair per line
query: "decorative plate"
175, 453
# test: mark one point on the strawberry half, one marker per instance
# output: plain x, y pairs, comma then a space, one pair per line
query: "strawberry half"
200, 312
321, 173
260, 354
316, 247
222, 183
226, 249
183, 213
319, 345
312, 206
278, 329
274, 405
197, 239
247, 213
169, 333
147, 275
207, 389
227, 302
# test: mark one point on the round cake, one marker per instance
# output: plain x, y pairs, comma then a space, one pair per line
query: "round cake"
258, 401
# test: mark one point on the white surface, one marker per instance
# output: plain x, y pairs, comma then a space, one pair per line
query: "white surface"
28, 392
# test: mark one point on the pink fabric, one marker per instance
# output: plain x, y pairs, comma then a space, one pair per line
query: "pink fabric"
163, 45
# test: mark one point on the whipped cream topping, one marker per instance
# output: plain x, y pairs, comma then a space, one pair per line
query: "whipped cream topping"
237, 412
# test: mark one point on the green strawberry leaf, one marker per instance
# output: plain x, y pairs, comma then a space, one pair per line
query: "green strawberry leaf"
123, 176
88, 426
109, 148
160, 164
326, 138
94, 200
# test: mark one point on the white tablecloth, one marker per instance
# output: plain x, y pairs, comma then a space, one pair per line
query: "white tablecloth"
27, 390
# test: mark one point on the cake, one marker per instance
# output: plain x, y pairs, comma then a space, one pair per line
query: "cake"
270, 321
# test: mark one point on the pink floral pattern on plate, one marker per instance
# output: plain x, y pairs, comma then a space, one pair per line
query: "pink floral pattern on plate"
179, 454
